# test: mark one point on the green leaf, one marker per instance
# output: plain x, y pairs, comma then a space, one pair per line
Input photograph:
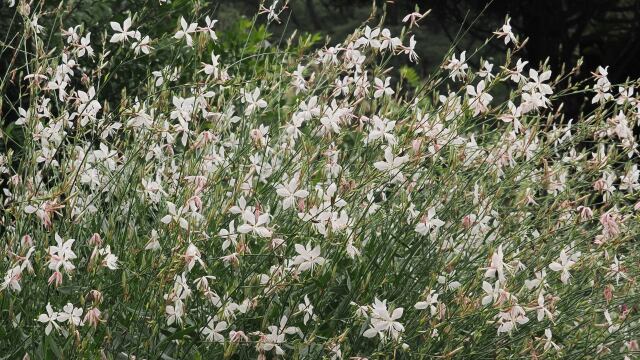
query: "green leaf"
410, 75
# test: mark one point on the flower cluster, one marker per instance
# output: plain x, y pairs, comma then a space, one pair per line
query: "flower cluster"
243, 203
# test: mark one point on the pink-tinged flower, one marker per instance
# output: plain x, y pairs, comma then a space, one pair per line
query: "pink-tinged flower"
238, 336
609, 223
256, 224
497, 266
55, 278
12, 279
585, 212
429, 222
61, 254
289, 192
506, 31
414, 17
193, 255
92, 317
95, 240
508, 320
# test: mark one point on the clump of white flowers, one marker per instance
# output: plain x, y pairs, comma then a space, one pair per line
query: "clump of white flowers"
235, 202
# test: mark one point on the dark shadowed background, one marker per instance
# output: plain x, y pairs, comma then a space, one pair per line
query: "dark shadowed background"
602, 32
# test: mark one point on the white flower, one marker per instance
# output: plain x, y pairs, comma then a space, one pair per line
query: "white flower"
209, 28
25, 115
410, 50
186, 31
307, 258
50, 318
539, 280
142, 45
153, 244
429, 303
382, 129
392, 164
253, 101
307, 309
175, 215
61, 254
547, 341
289, 192
109, 261
384, 323
629, 181
230, 236
122, 32
71, 314
175, 312
193, 255
273, 340
563, 266
492, 292
616, 270
255, 224
537, 82
429, 222
541, 310
382, 88
506, 31
370, 38
457, 67
516, 75
611, 326
478, 98
212, 69
212, 331
85, 46
508, 320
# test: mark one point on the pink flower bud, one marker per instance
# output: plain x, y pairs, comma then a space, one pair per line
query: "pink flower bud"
599, 185
95, 240
608, 293
585, 212
94, 296
415, 145
15, 180
92, 317
56, 278
467, 222
27, 241
237, 336
609, 223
